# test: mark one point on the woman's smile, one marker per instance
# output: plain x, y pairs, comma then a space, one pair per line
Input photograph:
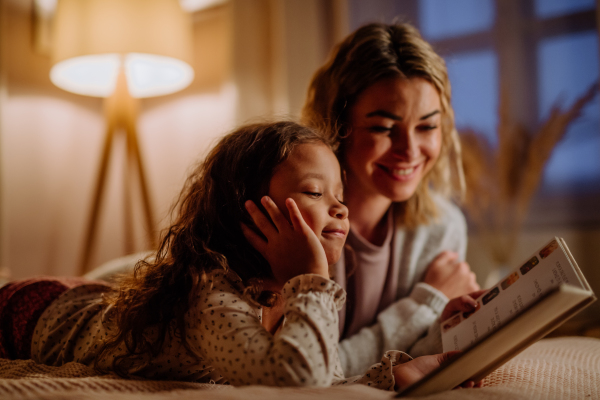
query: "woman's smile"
401, 173
395, 139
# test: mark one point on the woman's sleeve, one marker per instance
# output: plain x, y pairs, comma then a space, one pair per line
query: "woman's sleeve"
398, 327
380, 375
411, 323
302, 352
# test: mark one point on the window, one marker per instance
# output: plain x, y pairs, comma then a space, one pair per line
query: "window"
474, 79
440, 19
544, 52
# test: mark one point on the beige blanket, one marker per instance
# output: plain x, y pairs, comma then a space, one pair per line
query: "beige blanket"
564, 368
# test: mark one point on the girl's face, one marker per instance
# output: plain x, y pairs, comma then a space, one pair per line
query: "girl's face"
311, 176
395, 137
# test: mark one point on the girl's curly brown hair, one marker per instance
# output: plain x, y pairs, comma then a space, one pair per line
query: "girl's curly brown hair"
205, 236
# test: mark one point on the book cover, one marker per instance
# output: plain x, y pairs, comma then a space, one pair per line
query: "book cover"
543, 292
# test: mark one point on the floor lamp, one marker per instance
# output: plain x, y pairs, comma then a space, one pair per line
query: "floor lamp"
121, 50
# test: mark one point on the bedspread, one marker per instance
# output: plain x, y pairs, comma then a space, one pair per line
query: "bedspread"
560, 368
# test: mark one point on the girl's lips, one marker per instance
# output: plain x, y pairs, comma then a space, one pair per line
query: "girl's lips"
334, 232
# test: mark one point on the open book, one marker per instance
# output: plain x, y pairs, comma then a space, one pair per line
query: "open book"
544, 291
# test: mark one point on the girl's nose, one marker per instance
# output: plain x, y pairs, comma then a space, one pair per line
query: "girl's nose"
339, 210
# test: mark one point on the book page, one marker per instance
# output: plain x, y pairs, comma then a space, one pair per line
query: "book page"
544, 270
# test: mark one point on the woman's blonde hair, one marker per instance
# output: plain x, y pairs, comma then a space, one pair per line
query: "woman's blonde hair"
206, 235
379, 51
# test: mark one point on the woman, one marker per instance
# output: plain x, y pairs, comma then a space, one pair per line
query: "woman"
384, 98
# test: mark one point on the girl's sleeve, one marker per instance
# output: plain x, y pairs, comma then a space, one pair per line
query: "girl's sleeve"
229, 336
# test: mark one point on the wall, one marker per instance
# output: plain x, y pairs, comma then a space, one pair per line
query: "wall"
253, 60
51, 143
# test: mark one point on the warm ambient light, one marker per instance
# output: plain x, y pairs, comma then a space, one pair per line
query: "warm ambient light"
121, 50
147, 74
150, 40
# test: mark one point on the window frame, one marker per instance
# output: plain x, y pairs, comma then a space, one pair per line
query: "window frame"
514, 37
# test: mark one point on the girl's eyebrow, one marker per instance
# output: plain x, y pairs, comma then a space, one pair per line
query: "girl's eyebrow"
310, 175
387, 114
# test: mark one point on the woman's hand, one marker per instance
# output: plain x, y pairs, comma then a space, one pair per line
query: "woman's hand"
450, 276
412, 371
290, 249
464, 303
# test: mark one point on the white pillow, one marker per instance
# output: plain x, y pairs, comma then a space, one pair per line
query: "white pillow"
110, 269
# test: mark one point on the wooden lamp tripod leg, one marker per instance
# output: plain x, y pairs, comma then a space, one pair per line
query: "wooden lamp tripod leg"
121, 111
97, 199
134, 151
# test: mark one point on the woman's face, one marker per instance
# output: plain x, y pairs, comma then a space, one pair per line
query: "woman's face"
395, 138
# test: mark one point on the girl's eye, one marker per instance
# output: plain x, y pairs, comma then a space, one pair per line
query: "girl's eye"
380, 129
315, 195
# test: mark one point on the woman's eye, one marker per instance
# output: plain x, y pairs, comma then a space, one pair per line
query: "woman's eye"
315, 195
428, 127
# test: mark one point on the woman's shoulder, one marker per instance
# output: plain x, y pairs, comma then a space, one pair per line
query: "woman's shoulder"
448, 211
447, 214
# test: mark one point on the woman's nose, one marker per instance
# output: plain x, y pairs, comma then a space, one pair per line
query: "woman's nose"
404, 144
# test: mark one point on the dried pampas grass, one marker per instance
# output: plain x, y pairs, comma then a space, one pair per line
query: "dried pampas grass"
501, 182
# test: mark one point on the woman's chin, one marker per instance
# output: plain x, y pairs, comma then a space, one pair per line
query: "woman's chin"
397, 191
399, 195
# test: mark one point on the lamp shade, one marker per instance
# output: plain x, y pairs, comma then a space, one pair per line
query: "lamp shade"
150, 39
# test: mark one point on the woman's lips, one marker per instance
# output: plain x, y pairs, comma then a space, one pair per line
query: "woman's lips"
400, 174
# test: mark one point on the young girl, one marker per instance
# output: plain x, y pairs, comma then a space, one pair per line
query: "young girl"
215, 307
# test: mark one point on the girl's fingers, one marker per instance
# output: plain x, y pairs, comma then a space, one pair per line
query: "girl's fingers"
295, 216
254, 239
260, 219
275, 214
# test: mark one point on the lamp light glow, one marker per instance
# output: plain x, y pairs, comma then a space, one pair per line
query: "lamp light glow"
148, 75
150, 40
121, 49
151, 75
93, 75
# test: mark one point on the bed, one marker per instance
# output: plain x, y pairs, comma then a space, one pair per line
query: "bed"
558, 368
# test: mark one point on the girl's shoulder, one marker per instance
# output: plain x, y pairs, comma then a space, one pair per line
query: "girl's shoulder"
222, 288
219, 281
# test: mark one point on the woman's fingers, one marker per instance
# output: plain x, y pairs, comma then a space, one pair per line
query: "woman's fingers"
260, 219
444, 257
254, 239
477, 293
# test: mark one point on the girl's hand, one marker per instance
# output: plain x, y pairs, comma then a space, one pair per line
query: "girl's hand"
412, 371
450, 276
290, 250
465, 303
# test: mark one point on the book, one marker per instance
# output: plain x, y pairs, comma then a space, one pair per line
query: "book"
542, 293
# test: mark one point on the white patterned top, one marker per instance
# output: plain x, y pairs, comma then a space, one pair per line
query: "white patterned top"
227, 340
